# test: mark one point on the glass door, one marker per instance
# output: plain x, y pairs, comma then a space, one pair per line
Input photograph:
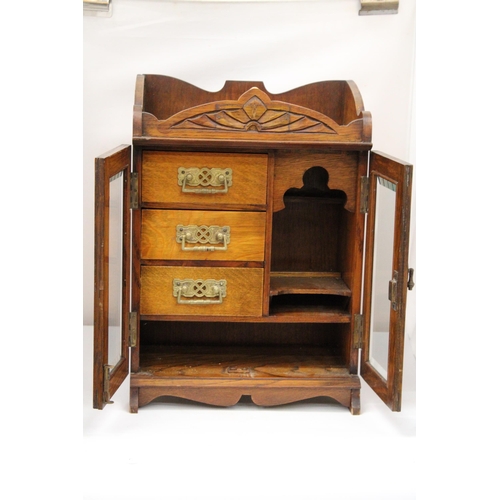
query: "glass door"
386, 276
112, 273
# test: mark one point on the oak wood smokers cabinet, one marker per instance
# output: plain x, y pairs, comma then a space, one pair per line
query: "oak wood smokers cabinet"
231, 245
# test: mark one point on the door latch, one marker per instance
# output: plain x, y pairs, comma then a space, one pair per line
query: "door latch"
411, 283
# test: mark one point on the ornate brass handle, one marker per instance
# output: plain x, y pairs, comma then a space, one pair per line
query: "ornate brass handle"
203, 234
194, 290
210, 180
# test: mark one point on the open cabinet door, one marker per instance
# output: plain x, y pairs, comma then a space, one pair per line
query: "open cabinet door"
386, 276
111, 273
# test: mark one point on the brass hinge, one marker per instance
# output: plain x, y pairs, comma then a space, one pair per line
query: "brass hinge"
107, 395
393, 291
132, 329
359, 323
363, 202
134, 191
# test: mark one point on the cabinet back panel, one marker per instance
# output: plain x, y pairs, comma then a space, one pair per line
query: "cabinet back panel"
212, 333
164, 96
306, 235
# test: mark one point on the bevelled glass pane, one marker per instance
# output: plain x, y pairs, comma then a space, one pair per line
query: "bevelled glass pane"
115, 269
385, 209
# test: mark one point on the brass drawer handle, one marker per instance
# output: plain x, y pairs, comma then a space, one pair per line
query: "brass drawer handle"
210, 179
194, 290
203, 234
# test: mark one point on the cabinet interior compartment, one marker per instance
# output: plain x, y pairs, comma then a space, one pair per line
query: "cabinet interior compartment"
310, 242
256, 350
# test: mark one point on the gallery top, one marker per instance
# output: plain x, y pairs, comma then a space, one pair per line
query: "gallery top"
171, 112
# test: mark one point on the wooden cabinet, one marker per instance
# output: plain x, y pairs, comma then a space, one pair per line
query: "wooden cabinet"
252, 244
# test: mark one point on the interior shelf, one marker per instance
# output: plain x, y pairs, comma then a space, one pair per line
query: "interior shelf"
313, 296
209, 361
308, 283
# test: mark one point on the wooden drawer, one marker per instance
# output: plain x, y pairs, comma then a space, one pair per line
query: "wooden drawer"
204, 179
239, 295
203, 235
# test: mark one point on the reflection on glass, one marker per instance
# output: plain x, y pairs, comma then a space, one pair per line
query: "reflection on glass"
385, 208
115, 269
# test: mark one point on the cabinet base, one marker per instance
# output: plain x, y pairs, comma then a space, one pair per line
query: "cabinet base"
344, 390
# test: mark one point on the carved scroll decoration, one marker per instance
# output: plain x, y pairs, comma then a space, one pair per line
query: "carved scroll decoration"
255, 111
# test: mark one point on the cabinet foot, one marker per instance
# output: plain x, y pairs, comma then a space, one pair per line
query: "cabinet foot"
355, 405
134, 399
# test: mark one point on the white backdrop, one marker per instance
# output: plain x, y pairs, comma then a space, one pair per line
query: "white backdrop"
188, 451
283, 44
245, 452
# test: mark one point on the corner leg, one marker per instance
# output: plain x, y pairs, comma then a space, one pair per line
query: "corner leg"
355, 402
134, 399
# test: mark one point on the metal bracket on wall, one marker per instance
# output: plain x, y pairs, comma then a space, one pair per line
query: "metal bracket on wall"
101, 8
374, 7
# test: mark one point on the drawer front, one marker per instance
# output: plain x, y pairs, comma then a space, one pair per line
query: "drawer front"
210, 179
203, 235
199, 291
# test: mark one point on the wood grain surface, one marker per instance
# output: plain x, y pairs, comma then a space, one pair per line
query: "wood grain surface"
244, 291
160, 179
247, 235
308, 283
242, 361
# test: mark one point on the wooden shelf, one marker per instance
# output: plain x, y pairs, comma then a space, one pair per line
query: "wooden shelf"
290, 313
309, 297
255, 362
308, 283
281, 313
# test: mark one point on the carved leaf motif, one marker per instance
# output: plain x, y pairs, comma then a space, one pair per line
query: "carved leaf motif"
237, 114
270, 115
200, 121
280, 120
226, 120
254, 108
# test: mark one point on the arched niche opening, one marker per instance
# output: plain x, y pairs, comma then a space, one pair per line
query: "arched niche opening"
308, 232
